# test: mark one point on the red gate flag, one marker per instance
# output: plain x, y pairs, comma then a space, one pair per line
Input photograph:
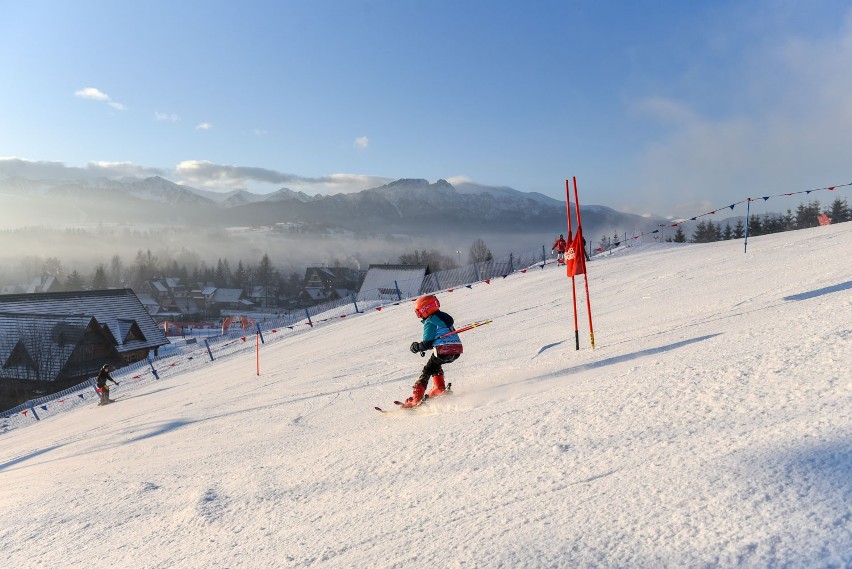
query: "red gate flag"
823, 219
575, 258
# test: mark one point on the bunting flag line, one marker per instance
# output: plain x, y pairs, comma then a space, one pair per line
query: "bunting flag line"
733, 205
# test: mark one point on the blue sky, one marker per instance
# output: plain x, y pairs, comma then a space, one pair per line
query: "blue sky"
663, 107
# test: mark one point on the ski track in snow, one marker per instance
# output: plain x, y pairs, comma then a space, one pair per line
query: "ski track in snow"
711, 426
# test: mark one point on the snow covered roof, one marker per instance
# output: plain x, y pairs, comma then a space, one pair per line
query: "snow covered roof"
392, 282
227, 295
114, 308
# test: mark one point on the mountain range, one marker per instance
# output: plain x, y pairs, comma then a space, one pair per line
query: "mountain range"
413, 207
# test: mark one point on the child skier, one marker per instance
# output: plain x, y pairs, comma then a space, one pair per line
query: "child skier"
559, 245
103, 389
438, 335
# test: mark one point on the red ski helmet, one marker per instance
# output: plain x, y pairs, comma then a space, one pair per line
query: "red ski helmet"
426, 306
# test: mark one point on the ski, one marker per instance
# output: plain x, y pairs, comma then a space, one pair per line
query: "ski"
400, 404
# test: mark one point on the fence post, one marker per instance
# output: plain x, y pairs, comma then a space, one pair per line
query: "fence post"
206, 343
150, 363
259, 333
352, 296
32, 408
398, 293
308, 314
511, 263
476, 272
543, 255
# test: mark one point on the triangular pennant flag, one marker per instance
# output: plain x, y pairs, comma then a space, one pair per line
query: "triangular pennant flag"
378, 308
487, 281
766, 198
343, 315
506, 275
44, 407
524, 271
449, 290
80, 395
831, 188
712, 212
468, 286
289, 327
24, 413
243, 338
732, 206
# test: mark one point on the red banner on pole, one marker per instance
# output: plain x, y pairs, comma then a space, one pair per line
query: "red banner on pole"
575, 258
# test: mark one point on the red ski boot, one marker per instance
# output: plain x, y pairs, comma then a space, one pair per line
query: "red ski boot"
417, 397
438, 387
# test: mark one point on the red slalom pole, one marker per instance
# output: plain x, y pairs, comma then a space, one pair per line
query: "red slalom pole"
585, 273
570, 239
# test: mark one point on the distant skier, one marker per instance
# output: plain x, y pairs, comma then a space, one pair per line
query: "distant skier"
438, 335
103, 388
559, 245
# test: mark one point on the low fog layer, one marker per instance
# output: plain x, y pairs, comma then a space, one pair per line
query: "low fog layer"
23, 252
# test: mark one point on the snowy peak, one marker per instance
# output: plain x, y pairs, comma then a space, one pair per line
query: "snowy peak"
160, 190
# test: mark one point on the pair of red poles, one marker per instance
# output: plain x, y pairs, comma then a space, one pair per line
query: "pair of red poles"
575, 261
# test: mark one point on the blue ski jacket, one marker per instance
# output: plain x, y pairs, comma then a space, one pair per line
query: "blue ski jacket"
436, 326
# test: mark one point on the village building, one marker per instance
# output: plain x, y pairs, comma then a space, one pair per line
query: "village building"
51, 341
392, 282
324, 284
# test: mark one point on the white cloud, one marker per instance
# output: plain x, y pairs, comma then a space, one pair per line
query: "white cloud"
204, 126
47, 170
362, 142
223, 176
170, 117
459, 180
259, 132
95, 94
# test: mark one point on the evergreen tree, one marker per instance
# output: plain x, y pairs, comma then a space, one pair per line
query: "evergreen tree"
679, 236
74, 281
99, 280
727, 233
755, 227
806, 215
839, 211
240, 276
739, 229
116, 271
789, 221
704, 232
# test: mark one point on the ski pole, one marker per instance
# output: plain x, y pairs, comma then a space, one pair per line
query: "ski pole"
465, 328
459, 331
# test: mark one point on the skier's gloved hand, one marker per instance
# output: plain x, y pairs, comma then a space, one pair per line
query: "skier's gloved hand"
415, 347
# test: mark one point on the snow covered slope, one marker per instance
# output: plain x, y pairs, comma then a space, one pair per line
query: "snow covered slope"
711, 427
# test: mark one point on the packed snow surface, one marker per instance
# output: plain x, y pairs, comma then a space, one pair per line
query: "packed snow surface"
711, 426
